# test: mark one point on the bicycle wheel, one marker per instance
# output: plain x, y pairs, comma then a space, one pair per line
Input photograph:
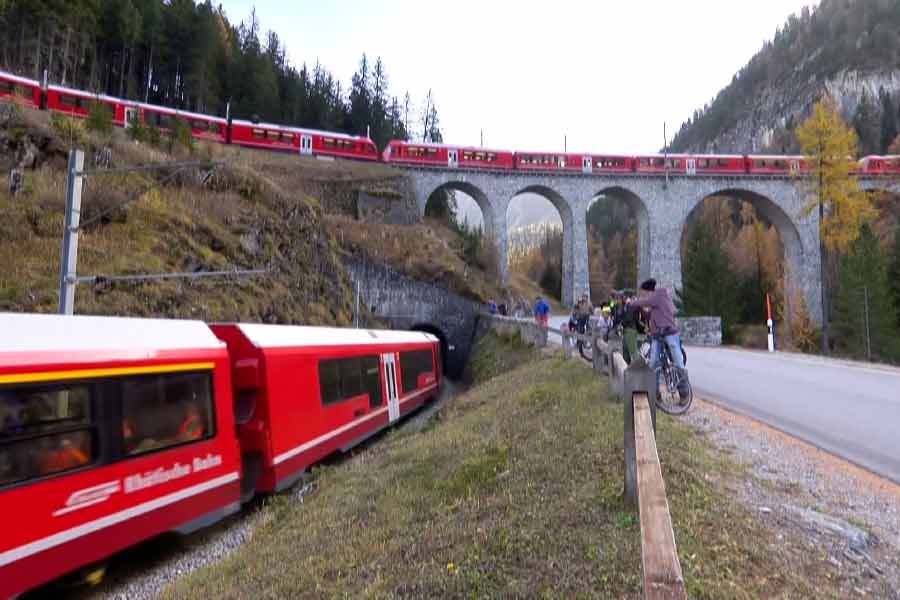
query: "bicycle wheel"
668, 397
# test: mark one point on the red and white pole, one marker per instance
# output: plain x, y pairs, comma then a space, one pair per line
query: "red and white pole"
769, 324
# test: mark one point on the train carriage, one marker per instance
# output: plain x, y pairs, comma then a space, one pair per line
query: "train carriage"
322, 143
441, 155
880, 165
203, 127
76, 103
552, 161
20, 90
112, 431
303, 393
758, 164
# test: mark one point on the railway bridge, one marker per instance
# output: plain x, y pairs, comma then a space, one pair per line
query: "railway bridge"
663, 206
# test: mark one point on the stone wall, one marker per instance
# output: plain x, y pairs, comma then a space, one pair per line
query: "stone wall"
405, 303
701, 331
528, 330
391, 209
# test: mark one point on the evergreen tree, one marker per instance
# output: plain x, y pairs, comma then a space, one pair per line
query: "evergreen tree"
888, 121
864, 295
893, 274
709, 285
868, 129
441, 205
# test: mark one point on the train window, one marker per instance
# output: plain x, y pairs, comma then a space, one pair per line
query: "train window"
6, 87
259, 134
70, 101
413, 364
330, 381
199, 125
372, 377
274, 135
214, 128
161, 411
45, 430
351, 377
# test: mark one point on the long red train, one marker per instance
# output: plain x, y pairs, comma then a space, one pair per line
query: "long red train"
115, 430
29, 92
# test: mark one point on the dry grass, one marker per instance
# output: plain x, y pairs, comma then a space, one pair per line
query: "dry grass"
426, 251
514, 492
240, 219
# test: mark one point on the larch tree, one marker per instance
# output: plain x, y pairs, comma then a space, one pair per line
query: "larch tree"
830, 145
893, 274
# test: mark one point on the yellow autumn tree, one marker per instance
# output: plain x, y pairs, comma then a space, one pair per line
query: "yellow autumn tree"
830, 146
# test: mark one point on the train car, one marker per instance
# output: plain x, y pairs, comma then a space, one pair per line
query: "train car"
758, 164
76, 103
441, 155
725, 164
880, 165
337, 145
203, 127
112, 431
608, 163
20, 90
266, 136
303, 393
553, 161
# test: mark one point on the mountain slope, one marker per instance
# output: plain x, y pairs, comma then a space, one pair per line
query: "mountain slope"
848, 49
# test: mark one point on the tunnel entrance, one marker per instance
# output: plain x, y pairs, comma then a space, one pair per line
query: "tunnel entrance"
442, 339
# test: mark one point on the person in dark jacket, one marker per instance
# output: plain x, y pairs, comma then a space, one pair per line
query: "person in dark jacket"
634, 323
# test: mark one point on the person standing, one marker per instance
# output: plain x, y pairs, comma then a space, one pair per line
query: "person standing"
541, 312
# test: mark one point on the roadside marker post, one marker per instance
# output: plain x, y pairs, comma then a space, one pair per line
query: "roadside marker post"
769, 324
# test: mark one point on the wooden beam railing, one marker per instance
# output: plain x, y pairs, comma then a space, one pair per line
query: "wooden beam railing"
635, 384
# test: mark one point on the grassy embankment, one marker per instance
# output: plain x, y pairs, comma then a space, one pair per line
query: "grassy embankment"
262, 210
515, 491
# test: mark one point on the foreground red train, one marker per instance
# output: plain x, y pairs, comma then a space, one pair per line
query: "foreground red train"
115, 430
309, 142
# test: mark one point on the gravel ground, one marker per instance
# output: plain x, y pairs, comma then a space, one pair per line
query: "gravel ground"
848, 516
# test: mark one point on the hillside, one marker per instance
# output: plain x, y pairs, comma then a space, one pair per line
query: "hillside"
259, 211
848, 49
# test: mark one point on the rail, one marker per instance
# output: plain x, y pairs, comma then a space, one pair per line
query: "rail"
645, 488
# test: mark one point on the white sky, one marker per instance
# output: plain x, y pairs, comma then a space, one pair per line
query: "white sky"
605, 74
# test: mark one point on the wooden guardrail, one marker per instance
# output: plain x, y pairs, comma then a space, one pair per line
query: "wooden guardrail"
635, 384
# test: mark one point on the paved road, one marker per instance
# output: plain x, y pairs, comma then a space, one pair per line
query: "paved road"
849, 409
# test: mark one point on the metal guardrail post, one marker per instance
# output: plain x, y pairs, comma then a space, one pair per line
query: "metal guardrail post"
566, 344
639, 379
69, 262
596, 354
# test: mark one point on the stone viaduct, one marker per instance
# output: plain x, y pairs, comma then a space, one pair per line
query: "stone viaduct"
663, 206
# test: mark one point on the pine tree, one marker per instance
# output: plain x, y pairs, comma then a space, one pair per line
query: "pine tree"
709, 286
867, 126
893, 274
863, 301
888, 121
827, 142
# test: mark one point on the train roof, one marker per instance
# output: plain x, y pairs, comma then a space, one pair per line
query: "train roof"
17, 79
28, 332
269, 336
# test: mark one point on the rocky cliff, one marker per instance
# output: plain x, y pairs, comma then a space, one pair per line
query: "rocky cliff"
847, 49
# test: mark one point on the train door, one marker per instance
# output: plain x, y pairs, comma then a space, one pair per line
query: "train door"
306, 144
586, 164
691, 166
131, 116
390, 379
452, 158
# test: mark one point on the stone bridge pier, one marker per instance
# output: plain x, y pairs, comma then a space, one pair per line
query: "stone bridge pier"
663, 208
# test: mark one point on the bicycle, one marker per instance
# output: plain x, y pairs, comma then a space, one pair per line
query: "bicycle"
583, 327
671, 380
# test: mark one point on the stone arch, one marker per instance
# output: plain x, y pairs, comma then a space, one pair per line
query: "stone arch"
567, 215
791, 239
474, 192
442, 340
642, 214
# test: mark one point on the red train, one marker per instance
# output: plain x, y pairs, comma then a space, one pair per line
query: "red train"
28, 92
115, 430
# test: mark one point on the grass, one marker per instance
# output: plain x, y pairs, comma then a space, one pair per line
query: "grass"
515, 492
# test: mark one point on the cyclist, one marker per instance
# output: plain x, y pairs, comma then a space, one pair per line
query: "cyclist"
663, 328
582, 312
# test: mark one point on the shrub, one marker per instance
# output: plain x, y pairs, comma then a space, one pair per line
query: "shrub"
141, 132
67, 128
180, 135
100, 118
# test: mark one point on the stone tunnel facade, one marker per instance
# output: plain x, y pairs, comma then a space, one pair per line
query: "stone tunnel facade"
663, 206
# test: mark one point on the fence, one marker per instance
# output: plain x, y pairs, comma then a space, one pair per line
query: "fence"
635, 384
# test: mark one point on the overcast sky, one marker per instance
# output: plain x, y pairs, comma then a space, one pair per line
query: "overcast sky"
604, 74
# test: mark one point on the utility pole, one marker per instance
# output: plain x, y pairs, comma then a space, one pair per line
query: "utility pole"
482, 138
67, 274
565, 143
665, 155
